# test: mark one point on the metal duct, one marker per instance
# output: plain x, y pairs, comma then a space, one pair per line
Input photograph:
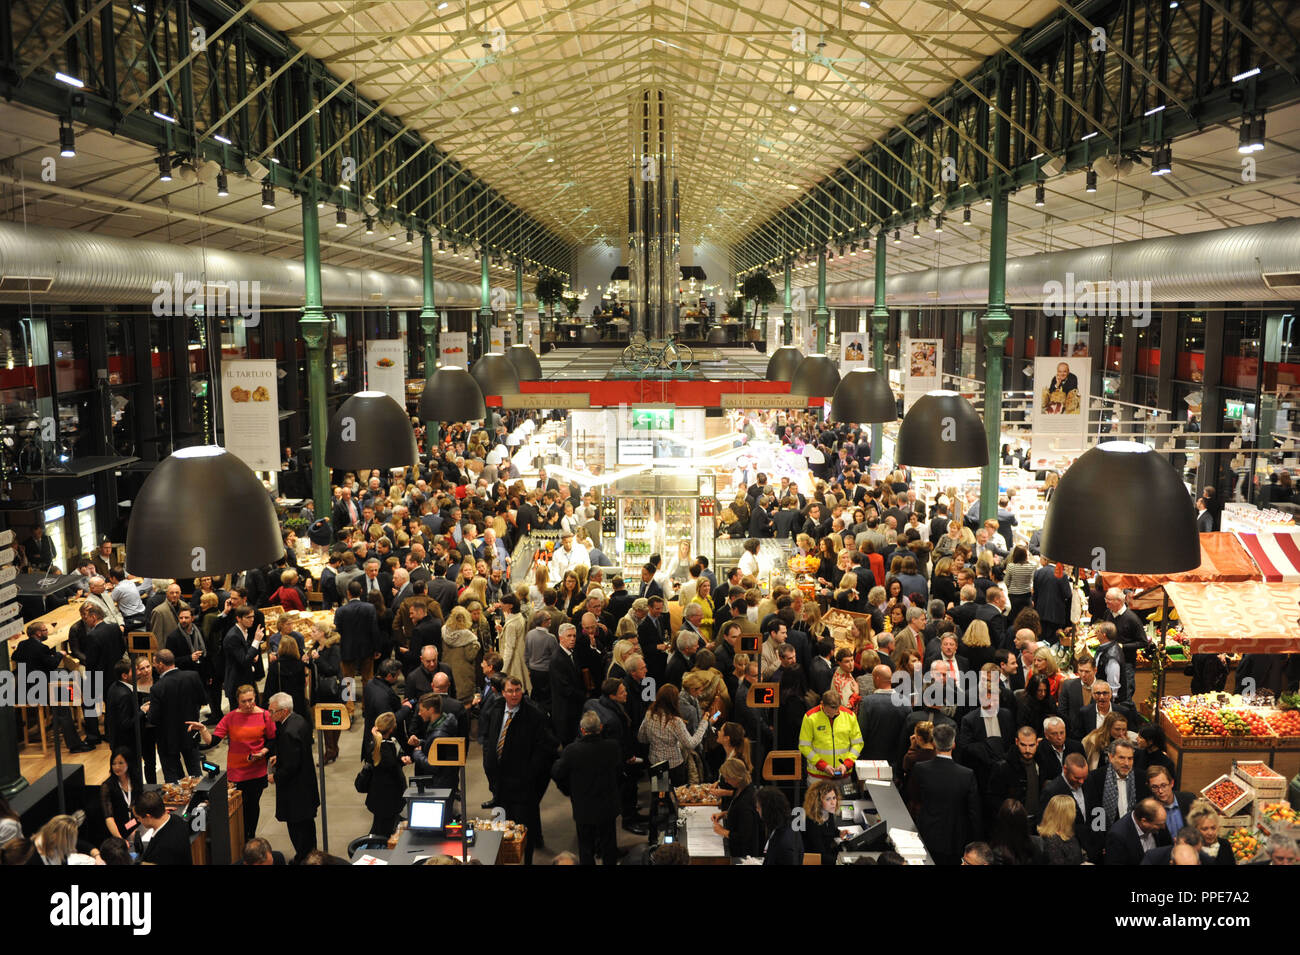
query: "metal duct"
1226, 265
89, 268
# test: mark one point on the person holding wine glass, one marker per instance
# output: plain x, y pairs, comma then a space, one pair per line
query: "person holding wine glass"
248, 730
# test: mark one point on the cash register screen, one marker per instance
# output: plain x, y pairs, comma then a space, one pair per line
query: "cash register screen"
426, 815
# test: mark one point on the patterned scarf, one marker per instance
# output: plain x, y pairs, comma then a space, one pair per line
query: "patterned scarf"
1110, 794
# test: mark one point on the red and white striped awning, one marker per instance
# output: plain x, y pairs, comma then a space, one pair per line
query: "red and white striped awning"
1277, 553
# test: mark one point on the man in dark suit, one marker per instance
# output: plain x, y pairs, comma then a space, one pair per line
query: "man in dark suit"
345, 512
785, 524
160, 839
1113, 787
293, 771
377, 580
36, 657
1017, 777
358, 625
881, 715
567, 693
174, 701
588, 773
760, 522
653, 640
1054, 747
649, 586
121, 707
378, 696
1094, 714
102, 646
1074, 695
1073, 783
821, 668
950, 808
517, 758
985, 734
442, 590
620, 601
1136, 833
1130, 634
242, 650
1051, 600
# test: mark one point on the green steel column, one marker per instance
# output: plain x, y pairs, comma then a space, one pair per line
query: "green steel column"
822, 317
315, 330
485, 306
787, 316
879, 329
430, 325
519, 300
313, 324
997, 325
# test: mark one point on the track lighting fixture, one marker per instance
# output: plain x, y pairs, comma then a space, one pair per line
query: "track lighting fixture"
164, 167
340, 218
1040, 193
268, 194
1090, 184
370, 226
67, 140
965, 215
223, 188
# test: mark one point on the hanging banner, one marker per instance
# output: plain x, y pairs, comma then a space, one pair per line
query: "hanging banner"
453, 349
497, 339
853, 351
773, 334
807, 337
250, 413
1060, 419
533, 334
386, 368
922, 368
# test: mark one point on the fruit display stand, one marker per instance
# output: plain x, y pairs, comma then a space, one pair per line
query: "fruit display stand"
1209, 732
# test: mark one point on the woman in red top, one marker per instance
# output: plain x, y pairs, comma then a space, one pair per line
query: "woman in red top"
249, 731
287, 595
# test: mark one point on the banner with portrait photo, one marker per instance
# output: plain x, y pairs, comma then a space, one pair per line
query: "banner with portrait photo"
250, 414
1060, 418
386, 367
453, 349
922, 368
854, 352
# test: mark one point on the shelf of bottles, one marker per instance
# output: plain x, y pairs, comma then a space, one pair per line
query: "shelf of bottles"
640, 533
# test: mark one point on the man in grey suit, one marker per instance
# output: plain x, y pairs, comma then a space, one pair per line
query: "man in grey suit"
880, 717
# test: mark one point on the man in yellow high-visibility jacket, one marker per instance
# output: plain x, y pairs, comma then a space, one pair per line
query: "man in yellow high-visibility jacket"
830, 739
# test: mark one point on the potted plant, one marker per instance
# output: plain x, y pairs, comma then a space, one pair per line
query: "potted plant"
759, 289
736, 308
549, 290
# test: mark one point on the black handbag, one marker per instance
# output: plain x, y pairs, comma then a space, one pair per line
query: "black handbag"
362, 782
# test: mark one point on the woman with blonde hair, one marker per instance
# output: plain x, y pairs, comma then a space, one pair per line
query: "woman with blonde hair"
977, 645
1095, 744
460, 650
56, 842
704, 599
623, 648
386, 795
847, 596
476, 589
812, 618
1060, 846
541, 576
1045, 665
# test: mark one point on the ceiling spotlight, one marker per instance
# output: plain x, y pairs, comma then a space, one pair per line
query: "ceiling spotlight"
223, 188
514, 108
392, 237
1162, 160
1090, 184
898, 237
988, 201
340, 218
67, 140
916, 230
164, 168
268, 194
370, 226
442, 249
410, 237
1040, 193
965, 215
1251, 138
938, 222
853, 248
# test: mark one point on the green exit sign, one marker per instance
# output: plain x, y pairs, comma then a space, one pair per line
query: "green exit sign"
652, 419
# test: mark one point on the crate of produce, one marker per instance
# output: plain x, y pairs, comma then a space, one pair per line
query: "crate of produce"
1240, 821
1286, 724
1277, 818
1245, 844
1227, 794
1267, 782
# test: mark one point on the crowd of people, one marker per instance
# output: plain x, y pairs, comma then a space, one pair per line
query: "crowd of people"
1009, 740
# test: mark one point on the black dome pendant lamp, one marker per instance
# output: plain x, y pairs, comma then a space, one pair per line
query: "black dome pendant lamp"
527, 367
370, 430
864, 397
201, 511
942, 430
816, 377
452, 394
783, 363
1122, 508
495, 375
